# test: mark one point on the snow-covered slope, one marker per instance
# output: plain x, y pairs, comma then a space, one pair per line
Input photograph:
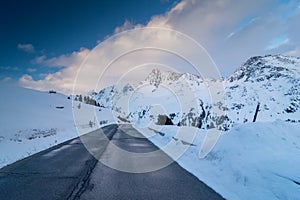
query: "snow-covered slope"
251, 161
32, 121
272, 81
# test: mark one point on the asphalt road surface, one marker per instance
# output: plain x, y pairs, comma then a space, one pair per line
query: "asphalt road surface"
69, 171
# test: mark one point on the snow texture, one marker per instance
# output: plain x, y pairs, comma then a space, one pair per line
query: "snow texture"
32, 121
251, 161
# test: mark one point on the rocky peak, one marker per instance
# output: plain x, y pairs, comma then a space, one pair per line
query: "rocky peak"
260, 68
156, 77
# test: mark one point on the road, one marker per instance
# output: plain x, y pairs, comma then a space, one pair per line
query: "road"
69, 171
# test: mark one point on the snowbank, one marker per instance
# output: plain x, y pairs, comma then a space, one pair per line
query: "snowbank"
32, 121
251, 161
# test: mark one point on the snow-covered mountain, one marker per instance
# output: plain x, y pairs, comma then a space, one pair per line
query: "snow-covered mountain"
271, 80
261, 157
187, 99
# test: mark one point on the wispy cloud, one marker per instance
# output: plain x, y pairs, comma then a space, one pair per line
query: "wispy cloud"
6, 79
28, 48
277, 42
9, 68
242, 25
31, 69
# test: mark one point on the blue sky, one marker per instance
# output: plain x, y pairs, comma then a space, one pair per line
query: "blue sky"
43, 43
55, 27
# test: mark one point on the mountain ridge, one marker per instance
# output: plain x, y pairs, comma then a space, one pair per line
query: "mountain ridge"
271, 81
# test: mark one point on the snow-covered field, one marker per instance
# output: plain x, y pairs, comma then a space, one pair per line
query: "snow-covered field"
251, 161
32, 121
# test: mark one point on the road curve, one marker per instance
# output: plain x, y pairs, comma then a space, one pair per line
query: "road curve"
69, 171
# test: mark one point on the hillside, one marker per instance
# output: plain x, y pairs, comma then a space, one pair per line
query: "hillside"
189, 100
250, 160
32, 121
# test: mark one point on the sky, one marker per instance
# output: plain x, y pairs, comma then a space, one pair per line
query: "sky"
44, 43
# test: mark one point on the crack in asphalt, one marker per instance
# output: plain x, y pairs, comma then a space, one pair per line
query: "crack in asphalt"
76, 173
83, 182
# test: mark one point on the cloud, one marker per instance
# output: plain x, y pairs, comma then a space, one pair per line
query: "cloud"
278, 42
254, 24
60, 81
63, 80
126, 26
242, 25
294, 52
31, 69
106, 55
293, 32
28, 48
6, 79
231, 31
9, 68
75, 58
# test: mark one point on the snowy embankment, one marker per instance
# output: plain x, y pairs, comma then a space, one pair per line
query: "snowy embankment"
32, 121
252, 161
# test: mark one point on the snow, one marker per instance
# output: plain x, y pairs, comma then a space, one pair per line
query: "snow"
271, 81
251, 161
30, 122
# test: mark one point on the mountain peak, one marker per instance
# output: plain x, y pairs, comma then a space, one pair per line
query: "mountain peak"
274, 81
259, 68
157, 76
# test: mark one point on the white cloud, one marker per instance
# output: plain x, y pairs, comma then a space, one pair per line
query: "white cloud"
28, 48
126, 26
75, 58
294, 52
62, 80
55, 81
179, 7
230, 30
107, 54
